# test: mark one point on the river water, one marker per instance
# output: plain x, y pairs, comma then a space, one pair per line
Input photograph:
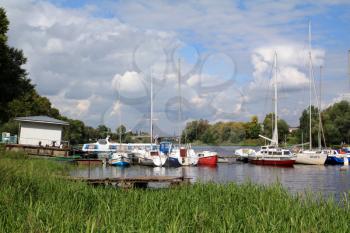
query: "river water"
326, 180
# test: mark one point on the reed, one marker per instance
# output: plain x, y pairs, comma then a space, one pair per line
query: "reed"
34, 199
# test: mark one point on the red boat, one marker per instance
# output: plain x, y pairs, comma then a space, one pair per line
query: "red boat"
273, 156
207, 158
273, 162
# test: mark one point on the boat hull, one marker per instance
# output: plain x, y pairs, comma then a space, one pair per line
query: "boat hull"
208, 160
146, 162
172, 162
332, 160
310, 159
120, 163
273, 162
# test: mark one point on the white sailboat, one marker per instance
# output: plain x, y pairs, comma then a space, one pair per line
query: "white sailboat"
184, 155
151, 156
272, 154
311, 156
120, 157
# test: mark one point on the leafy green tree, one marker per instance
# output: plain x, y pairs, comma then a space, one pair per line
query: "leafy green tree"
121, 132
304, 121
253, 128
194, 130
31, 104
13, 78
103, 131
283, 127
336, 121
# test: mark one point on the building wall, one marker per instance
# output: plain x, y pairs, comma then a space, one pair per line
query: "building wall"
31, 133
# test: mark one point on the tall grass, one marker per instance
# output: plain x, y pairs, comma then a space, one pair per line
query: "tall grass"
33, 199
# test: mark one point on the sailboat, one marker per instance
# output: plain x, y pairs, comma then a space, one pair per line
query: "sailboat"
311, 156
184, 155
272, 154
151, 156
120, 157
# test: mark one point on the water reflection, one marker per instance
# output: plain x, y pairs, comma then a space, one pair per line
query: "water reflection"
325, 179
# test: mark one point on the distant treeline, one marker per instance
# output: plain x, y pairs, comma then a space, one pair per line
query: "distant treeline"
335, 129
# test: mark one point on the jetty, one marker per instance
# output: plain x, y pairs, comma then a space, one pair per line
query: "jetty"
134, 182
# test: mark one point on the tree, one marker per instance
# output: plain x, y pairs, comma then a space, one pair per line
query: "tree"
194, 130
13, 78
304, 121
121, 130
29, 104
253, 128
283, 127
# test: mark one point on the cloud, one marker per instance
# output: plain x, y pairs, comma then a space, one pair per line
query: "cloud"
77, 57
291, 61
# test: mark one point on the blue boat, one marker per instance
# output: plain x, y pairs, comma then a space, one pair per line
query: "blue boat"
165, 148
120, 159
172, 162
333, 160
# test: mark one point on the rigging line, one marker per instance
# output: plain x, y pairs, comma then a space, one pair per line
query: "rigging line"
317, 101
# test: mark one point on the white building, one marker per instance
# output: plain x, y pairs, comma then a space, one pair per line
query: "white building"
40, 130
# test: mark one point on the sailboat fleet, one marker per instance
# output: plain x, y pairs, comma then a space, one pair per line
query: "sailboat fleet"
168, 154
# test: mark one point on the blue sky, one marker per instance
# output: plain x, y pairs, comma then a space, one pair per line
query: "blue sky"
82, 53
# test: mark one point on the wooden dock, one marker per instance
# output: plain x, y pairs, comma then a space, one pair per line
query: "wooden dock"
39, 150
134, 182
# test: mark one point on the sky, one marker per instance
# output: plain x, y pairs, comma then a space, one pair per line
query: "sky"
95, 59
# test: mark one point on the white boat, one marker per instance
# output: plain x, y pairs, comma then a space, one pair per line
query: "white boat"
150, 157
243, 154
311, 156
272, 154
101, 148
185, 156
121, 159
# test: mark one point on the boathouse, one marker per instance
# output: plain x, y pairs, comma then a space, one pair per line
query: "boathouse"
40, 131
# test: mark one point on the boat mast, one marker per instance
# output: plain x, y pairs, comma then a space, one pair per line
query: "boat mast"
310, 133
349, 66
275, 131
120, 116
151, 119
180, 99
319, 113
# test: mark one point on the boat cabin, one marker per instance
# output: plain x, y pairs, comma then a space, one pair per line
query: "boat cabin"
272, 150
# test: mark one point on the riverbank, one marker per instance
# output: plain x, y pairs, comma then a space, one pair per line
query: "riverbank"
34, 199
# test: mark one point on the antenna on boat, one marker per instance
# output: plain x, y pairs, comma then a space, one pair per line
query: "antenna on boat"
310, 82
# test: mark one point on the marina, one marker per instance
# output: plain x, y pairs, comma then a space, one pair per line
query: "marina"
326, 180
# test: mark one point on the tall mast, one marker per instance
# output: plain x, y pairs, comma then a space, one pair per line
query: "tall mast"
151, 123
120, 115
275, 131
349, 66
310, 74
319, 113
180, 99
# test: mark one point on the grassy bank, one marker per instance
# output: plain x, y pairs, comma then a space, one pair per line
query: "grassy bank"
33, 199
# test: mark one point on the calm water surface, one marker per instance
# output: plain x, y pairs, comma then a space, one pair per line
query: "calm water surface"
327, 180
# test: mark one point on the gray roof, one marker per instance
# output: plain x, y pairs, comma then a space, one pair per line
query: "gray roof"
41, 119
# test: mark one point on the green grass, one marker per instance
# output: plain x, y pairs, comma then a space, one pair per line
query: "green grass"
33, 199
